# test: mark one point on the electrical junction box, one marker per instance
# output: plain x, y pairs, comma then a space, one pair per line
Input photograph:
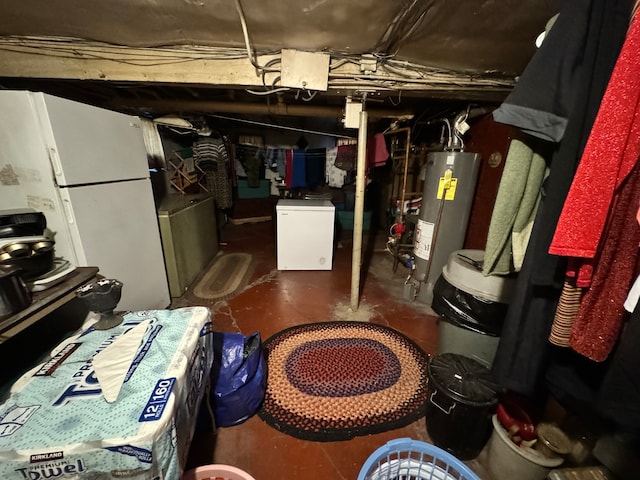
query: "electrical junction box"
352, 114
307, 70
368, 63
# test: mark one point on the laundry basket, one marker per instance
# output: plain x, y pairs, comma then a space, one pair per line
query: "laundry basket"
215, 472
416, 460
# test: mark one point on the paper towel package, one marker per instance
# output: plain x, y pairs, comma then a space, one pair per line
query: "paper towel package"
57, 423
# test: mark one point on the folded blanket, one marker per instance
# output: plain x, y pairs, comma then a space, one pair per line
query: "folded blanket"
515, 209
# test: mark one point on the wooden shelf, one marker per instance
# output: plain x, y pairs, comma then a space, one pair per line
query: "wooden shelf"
45, 302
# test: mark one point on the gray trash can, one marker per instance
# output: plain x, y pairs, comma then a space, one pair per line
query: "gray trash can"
472, 307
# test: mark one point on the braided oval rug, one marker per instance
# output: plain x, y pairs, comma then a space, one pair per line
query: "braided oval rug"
337, 380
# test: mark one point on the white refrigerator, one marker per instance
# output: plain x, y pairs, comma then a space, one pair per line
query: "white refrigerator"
86, 169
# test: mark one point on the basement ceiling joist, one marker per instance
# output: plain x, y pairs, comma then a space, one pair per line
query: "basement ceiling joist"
75, 59
188, 51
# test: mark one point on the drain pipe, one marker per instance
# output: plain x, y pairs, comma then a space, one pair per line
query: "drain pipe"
358, 213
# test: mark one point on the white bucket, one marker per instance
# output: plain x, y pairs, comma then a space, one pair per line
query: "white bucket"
507, 461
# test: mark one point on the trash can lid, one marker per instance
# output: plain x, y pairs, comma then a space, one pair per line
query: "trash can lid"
463, 270
464, 379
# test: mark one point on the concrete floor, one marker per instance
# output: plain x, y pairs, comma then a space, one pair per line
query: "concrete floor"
273, 300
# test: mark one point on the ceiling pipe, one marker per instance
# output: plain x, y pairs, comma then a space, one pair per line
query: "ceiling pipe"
276, 108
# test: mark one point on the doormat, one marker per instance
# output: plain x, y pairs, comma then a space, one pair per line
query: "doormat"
226, 276
334, 381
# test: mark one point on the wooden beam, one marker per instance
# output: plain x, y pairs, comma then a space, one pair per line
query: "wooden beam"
74, 59
80, 60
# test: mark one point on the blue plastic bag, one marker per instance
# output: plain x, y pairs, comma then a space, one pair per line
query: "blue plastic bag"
238, 377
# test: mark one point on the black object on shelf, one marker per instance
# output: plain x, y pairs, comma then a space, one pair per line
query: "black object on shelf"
14, 294
22, 223
102, 297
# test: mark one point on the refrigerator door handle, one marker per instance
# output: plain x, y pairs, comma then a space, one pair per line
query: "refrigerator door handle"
55, 161
68, 211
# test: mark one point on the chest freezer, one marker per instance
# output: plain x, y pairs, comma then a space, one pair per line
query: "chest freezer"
305, 231
189, 237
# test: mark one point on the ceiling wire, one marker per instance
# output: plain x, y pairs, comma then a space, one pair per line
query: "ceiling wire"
245, 32
264, 124
395, 104
268, 92
310, 96
399, 74
79, 48
402, 27
273, 89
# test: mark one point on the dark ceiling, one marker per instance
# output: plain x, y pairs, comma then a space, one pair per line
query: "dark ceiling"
474, 49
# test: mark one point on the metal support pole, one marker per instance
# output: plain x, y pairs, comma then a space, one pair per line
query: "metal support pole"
358, 214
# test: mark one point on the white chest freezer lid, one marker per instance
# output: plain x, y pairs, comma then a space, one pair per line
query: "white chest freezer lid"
462, 274
315, 205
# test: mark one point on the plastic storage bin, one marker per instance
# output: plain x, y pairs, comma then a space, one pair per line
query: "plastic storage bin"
345, 219
462, 399
262, 191
216, 471
407, 458
472, 307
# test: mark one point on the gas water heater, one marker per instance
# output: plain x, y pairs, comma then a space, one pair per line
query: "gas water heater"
449, 188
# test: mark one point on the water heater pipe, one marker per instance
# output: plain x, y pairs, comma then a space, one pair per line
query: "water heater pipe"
358, 213
405, 169
460, 126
